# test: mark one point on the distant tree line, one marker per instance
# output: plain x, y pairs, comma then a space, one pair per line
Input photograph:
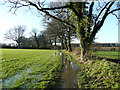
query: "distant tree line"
38, 39
56, 32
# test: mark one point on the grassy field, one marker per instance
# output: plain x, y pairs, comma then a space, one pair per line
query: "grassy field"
22, 68
103, 73
108, 54
99, 74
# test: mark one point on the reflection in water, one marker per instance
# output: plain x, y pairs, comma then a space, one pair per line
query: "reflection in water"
54, 54
10, 81
68, 78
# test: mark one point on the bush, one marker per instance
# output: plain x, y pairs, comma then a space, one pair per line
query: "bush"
112, 49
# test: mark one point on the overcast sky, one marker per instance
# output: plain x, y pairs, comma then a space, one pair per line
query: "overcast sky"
107, 34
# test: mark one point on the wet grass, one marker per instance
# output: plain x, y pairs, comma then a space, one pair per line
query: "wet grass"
99, 73
22, 68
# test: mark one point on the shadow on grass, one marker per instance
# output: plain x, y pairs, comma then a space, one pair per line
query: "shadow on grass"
108, 59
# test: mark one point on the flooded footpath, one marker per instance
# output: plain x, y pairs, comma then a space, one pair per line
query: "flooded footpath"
68, 77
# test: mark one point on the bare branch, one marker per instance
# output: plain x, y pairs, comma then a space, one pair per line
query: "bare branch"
101, 12
39, 5
106, 14
48, 14
115, 16
91, 9
70, 25
90, 15
15, 34
114, 10
42, 9
100, 23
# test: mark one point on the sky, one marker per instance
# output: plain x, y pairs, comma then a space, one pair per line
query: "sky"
107, 34
22, 17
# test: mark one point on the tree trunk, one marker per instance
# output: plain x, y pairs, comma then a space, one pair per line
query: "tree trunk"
69, 40
65, 44
82, 52
50, 43
37, 44
85, 47
18, 44
69, 45
55, 41
62, 47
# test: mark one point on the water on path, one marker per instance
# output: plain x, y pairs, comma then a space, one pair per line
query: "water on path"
68, 78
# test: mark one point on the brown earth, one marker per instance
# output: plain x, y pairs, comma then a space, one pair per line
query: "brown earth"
109, 48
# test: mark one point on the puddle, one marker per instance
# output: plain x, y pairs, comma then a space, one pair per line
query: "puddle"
54, 54
68, 78
28, 84
10, 81
60, 53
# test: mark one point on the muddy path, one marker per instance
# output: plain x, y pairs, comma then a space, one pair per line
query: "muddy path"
68, 77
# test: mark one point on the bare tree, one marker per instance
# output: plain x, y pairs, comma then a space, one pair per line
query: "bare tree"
35, 34
16, 34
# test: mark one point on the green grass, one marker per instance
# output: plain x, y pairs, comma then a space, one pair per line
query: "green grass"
108, 54
39, 69
99, 73
30, 68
